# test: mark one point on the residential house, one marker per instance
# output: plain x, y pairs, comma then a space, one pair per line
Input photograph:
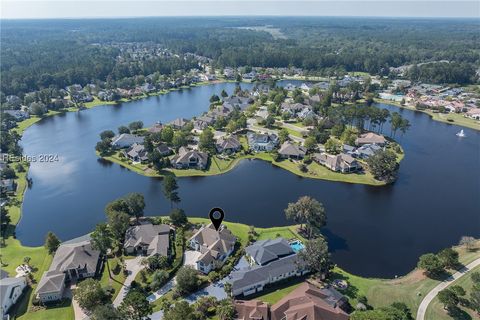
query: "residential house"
370, 138
19, 115
306, 113
254, 278
262, 141
349, 150
190, 159
308, 302
136, 153
339, 163
148, 87
215, 246
366, 151
228, 145
202, 122
163, 149
157, 127
292, 108
8, 185
178, 123
148, 239
74, 259
11, 289
473, 113
126, 140
237, 102
251, 310
292, 151
265, 251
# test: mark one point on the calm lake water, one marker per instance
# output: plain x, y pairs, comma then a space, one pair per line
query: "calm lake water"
372, 231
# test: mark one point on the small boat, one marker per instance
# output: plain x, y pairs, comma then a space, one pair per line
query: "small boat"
461, 134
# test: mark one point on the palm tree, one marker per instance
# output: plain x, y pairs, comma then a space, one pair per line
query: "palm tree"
225, 309
26, 260
101, 239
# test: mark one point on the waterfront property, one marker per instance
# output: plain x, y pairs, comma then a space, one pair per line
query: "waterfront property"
215, 246
292, 151
343, 162
271, 261
265, 251
74, 260
148, 239
190, 159
178, 123
262, 141
126, 140
228, 145
11, 289
136, 153
370, 138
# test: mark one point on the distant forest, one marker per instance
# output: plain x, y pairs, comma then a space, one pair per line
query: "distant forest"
37, 54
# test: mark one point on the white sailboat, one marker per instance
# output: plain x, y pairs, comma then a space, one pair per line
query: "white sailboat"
461, 134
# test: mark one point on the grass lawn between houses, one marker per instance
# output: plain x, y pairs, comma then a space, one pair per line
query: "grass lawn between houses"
219, 166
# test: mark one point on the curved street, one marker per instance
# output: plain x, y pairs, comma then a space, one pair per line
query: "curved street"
422, 309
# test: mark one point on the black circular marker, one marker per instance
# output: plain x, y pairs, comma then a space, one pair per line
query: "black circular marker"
216, 215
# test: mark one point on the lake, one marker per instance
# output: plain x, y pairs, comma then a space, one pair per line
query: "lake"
372, 231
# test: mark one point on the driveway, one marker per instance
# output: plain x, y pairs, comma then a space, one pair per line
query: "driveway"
216, 289
190, 257
133, 267
422, 309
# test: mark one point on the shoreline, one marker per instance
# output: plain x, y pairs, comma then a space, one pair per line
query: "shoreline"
288, 165
437, 116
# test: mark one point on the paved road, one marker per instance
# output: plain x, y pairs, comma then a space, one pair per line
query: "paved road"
133, 267
422, 309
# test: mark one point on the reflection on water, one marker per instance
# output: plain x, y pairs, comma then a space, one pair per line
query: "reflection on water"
373, 231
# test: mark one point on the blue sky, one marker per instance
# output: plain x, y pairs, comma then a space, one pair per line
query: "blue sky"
19, 9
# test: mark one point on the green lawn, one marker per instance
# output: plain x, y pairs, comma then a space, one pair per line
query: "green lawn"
273, 297
436, 311
114, 280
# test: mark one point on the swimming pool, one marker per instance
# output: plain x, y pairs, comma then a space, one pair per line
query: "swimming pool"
297, 245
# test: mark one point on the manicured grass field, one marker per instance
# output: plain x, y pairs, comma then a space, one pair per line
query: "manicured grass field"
273, 297
114, 280
436, 311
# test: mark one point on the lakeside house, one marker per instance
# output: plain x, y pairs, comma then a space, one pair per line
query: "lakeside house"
265, 251
259, 142
228, 145
163, 149
366, 151
215, 246
74, 260
241, 103
343, 163
11, 289
292, 151
137, 153
178, 123
148, 239
370, 138
270, 261
157, 127
19, 115
190, 159
8, 185
126, 140
293, 108
309, 302
473, 113
251, 310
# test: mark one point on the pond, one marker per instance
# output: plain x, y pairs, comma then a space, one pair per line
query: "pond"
372, 231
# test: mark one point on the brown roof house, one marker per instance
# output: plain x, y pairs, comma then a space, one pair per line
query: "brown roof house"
74, 259
190, 159
148, 239
251, 310
340, 163
370, 138
214, 246
178, 123
308, 302
292, 151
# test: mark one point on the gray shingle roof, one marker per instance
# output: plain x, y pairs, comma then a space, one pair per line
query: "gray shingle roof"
156, 237
265, 251
52, 281
76, 253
